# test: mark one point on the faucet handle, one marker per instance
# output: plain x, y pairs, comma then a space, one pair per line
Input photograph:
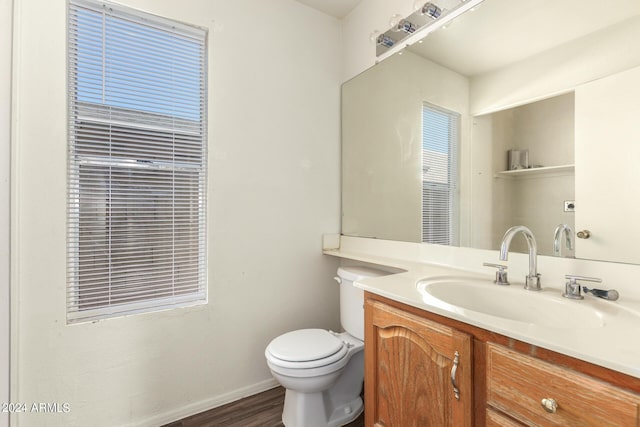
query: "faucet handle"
611, 294
573, 288
501, 274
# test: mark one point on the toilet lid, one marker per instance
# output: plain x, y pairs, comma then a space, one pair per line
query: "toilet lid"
305, 345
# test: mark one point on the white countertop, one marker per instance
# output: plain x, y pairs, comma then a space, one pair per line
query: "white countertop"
615, 345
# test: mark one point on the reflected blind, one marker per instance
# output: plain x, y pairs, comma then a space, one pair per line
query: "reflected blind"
137, 162
439, 175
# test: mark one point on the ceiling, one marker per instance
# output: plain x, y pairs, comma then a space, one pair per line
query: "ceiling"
502, 32
336, 8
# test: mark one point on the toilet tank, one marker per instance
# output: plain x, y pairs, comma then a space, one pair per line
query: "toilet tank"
352, 298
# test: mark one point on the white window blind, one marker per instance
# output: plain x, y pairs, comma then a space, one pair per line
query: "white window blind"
137, 162
439, 175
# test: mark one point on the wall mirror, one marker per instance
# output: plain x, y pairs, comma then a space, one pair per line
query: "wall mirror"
426, 133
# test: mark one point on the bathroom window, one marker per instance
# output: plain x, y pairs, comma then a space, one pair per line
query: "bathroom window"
440, 130
137, 162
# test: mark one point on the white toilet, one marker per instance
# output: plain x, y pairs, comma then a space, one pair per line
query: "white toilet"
321, 370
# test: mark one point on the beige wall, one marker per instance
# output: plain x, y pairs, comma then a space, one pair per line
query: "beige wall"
274, 91
5, 197
382, 143
608, 152
546, 129
558, 70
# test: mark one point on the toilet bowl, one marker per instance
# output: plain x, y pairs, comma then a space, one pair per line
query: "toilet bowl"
323, 371
321, 389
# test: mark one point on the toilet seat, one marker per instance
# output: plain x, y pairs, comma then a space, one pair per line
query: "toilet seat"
306, 349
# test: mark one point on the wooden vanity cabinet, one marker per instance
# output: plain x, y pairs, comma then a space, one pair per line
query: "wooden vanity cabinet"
409, 355
417, 372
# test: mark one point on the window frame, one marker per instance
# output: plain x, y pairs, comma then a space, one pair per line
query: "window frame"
452, 186
151, 301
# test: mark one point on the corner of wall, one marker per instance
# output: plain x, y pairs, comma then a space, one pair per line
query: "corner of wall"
6, 40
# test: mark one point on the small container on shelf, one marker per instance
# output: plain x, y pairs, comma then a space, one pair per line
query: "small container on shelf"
518, 159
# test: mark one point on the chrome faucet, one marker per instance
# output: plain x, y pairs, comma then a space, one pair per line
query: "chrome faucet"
532, 281
568, 234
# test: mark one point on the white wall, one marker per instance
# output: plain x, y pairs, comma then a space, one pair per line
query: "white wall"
274, 80
5, 197
558, 70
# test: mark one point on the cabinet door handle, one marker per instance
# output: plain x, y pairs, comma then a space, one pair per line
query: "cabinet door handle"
583, 234
549, 405
454, 368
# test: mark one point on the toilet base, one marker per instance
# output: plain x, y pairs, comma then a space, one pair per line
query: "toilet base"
330, 399
315, 408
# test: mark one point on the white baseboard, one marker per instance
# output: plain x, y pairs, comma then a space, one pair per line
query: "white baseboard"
204, 405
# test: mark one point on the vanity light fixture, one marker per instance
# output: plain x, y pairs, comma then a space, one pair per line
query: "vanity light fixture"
406, 26
398, 24
384, 40
431, 10
381, 40
426, 18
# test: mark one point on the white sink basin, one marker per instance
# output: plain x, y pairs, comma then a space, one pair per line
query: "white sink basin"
547, 309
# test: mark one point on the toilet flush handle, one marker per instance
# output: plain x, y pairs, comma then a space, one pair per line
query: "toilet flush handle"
337, 279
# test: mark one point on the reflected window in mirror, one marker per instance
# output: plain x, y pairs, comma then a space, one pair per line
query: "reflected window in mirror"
440, 135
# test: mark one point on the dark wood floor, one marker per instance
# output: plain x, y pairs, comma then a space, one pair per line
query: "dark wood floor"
262, 410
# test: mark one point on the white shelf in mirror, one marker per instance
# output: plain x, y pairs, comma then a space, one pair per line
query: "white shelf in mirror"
536, 172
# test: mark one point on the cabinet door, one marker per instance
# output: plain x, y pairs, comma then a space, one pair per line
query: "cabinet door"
408, 370
607, 173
